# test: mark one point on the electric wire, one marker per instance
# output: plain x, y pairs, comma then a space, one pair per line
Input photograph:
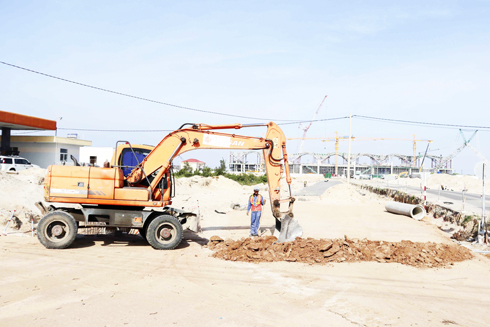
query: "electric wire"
137, 97
421, 123
117, 130
288, 122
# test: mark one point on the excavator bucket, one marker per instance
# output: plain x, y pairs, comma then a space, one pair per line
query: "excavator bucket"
288, 229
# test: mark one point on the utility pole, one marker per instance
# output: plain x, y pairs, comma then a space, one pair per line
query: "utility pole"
350, 141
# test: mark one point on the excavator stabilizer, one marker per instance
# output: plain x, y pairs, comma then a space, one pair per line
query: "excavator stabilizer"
288, 229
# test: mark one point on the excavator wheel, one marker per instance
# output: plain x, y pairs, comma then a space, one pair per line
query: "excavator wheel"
57, 230
164, 232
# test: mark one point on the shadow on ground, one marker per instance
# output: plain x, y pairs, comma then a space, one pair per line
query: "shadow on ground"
124, 239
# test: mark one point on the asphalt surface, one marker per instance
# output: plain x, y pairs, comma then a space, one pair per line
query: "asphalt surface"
318, 188
449, 199
455, 197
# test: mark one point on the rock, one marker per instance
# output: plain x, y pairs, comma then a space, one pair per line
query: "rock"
216, 239
325, 246
234, 245
253, 246
335, 248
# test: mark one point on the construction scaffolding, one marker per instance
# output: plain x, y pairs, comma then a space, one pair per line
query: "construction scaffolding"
252, 161
380, 164
246, 162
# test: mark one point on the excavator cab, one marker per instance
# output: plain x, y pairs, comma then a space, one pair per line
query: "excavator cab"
128, 157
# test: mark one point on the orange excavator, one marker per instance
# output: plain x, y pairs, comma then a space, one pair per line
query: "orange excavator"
142, 199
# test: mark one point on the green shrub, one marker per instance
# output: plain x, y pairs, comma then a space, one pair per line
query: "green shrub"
247, 179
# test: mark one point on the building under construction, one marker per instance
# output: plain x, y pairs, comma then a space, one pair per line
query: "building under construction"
252, 161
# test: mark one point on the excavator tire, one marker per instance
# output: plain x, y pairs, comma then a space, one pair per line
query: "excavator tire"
57, 230
164, 232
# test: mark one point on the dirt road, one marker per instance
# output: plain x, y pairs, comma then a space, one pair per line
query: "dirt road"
109, 281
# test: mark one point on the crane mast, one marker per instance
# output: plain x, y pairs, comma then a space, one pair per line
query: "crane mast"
306, 128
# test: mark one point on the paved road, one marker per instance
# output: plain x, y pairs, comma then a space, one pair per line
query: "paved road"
450, 199
471, 198
318, 188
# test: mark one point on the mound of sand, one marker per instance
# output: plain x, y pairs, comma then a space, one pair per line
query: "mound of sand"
199, 182
207, 194
32, 175
323, 251
19, 192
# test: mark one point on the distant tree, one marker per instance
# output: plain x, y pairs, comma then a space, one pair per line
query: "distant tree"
206, 171
221, 170
185, 170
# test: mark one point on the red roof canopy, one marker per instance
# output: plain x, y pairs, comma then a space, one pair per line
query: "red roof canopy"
193, 160
16, 121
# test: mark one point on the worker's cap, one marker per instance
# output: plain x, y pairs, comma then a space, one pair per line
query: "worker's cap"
256, 188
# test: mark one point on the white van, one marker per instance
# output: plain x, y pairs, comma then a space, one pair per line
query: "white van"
15, 163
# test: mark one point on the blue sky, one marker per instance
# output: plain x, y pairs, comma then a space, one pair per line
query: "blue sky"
411, 60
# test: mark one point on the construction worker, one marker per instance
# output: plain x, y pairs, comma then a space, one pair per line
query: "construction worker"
255, 202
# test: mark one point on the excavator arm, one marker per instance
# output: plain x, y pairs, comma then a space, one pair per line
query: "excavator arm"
200, 136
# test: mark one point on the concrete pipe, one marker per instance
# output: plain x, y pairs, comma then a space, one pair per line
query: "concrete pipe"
415, 211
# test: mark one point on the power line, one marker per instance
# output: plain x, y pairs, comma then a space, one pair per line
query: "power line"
395, 121
316, 120
289, 122
168, 130
137, 97
118, 130
421, 123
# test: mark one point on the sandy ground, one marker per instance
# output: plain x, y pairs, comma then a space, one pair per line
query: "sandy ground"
111, 281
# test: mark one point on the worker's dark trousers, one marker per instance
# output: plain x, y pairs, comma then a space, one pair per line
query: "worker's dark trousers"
254, 226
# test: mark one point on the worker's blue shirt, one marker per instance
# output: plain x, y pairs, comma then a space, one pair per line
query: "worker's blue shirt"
254, 199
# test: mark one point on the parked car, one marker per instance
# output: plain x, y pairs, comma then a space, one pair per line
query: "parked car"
16, 163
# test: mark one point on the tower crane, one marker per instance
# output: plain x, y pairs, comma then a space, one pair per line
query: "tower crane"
466, 143
306, 128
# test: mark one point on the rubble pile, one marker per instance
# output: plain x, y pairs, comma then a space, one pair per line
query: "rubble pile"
314, 251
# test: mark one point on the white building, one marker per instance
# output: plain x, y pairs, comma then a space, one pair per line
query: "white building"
96, 155
194, 164
48, 150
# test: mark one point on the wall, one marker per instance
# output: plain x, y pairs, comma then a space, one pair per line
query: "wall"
45, 154
102, 154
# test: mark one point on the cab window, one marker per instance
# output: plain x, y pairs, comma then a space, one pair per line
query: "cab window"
127, 158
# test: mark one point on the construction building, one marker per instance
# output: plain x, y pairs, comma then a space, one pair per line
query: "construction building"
246, 162
252, 161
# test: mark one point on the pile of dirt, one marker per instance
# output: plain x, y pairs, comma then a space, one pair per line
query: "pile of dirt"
314, 251
19, 192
